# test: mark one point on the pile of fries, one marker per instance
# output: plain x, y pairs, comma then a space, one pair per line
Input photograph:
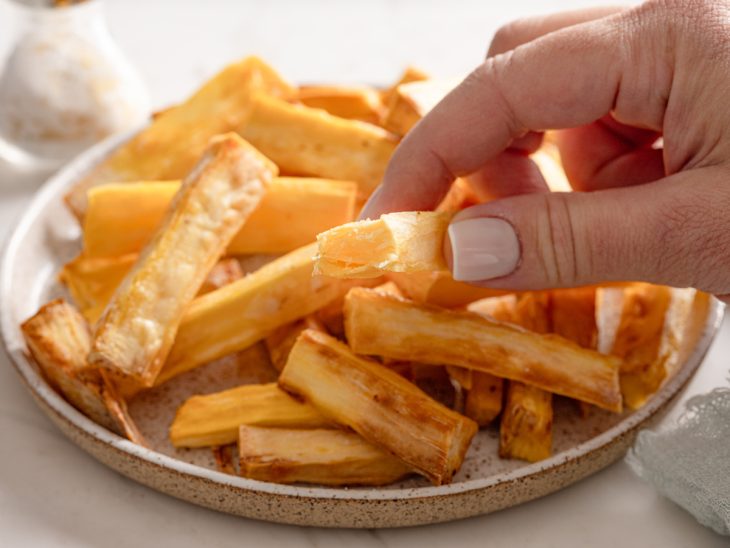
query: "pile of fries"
254, 171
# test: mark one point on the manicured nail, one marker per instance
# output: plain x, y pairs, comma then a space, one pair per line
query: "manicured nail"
483, 248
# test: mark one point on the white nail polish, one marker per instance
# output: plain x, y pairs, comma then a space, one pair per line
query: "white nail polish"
483, 248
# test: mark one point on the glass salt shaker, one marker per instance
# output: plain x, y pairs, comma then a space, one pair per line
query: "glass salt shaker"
66, 84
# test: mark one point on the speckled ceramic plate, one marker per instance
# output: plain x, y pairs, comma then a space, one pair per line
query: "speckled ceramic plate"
47, 236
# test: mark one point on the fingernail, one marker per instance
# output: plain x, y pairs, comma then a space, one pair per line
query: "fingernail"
483, 248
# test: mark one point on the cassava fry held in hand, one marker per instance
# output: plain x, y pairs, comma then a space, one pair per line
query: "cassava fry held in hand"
410, 241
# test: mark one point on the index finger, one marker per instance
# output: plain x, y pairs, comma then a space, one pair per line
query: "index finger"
565, 79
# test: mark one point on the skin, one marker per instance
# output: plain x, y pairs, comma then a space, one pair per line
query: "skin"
612, 81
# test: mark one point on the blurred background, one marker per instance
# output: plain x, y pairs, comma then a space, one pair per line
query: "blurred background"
177, 44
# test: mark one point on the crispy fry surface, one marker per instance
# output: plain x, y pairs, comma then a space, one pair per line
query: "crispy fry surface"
172, 144
381, 325
638, 341
213, 419
354, 103
59, 340
484, 397
307, 141
378, 404
244, 312
326, 457
410, 74
399, 242
121, 218
411, 101
526, 428
92, 282
282, 339
440, 289
138, 327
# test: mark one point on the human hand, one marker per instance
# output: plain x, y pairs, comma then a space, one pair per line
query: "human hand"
619, 82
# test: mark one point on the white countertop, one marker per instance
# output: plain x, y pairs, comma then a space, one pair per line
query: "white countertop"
54, 494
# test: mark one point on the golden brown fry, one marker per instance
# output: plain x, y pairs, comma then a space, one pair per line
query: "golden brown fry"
240, 314
172, 144
380, 325
410, 241
309, 141
293, 212
461, 375
484, 399
92, 282
378, 404
117, 406
223, 455
121, 218
282, 339
213, 419
326, 457
389, 288
410, 74
574, 315
354, 103
138, 327
225, 271
638, 340
412, 101
440, 289
526, 428
58, 338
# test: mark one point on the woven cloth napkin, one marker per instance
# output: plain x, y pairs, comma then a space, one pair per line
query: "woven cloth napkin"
689, 461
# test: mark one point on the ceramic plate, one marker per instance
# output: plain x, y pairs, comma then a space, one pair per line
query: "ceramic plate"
47, 236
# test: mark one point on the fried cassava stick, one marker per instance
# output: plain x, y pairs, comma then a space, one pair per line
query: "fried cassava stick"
381, 325
326, 457
242, 313
138, 327
59, 340
410, 241
378, 404
213, 419
309, 141
174, 141
121, 218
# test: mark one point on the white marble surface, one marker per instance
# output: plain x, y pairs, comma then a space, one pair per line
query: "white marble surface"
53, 494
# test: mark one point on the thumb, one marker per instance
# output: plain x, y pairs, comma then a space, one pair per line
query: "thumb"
673, 231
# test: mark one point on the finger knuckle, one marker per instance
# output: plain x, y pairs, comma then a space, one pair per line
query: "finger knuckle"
507, 37
557, 242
